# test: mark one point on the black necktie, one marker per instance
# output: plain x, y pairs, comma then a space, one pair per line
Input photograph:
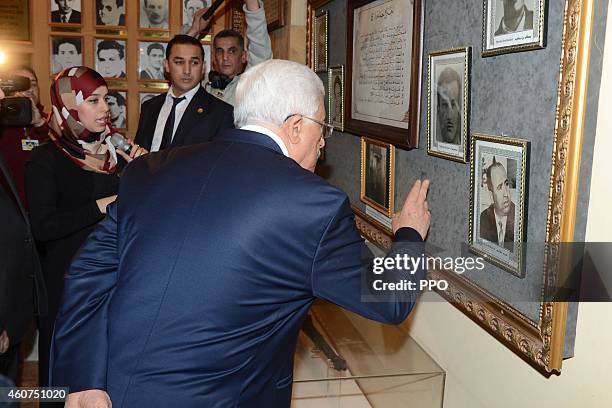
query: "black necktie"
169, 127
64, 20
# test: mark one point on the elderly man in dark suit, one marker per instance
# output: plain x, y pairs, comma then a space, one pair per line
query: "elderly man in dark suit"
66, 13
517, 17
186, 114
21, 284
497, 221
192, 291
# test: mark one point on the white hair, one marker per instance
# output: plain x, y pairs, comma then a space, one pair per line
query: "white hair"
275, 89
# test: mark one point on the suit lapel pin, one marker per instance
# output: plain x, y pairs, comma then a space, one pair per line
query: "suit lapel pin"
200, 110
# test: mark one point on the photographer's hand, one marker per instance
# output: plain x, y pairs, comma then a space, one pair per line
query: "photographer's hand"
199, 25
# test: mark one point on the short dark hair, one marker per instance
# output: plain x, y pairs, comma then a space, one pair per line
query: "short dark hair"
119, 3
63, 40
449, 75
120, 99
185, 2
229, 33
155, 46
110, 45
183, 39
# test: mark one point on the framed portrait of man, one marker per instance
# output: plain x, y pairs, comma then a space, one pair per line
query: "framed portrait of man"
154, 15
151, 57
335, 97
384, 49
448, 103
207, 59
512, 26
117, 105
66, 52
319, 41
499, 170
65, 12
110, 13
110, 56
189, 9
377, 175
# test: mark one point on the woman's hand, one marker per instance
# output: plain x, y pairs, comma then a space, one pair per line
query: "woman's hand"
135, 152
104, 202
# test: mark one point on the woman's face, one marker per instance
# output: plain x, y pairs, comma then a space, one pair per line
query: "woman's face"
94, 111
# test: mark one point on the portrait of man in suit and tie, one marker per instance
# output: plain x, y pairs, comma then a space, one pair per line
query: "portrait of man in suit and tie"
516, 16
65, 53
151, 62
110, 13
497, 220
66, 11
187, 113
154, 14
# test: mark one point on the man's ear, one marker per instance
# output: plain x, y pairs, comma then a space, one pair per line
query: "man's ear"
293, 126
245, 57
166, 66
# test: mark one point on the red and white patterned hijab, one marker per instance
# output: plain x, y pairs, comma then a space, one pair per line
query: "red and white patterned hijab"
69, 90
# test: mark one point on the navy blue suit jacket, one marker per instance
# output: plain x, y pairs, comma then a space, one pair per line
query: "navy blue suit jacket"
192, 291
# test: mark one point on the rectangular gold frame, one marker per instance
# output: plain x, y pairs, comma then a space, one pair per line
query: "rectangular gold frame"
64, 26
159, 33
141, 82
330, 96
320, 61
540, 343
466, 104
524, 145
388, 212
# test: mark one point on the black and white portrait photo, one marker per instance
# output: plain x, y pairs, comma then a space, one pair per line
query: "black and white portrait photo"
154, 14
335, 99
110, 58
65, 53
189, 9
207, 59
151, 61
448, 102
512, 25
110, 13
117, 105
377, 167
498, 197
66, 11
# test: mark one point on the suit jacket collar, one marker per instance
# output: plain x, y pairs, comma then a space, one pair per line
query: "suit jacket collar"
197, 108
247, 136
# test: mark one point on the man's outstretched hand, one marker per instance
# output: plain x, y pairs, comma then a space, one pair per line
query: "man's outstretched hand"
415, 212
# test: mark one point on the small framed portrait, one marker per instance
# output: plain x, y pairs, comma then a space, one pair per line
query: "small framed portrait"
65, 52
110, 57
154, 14
377, 175
65, 12
151, 57
110, 13
499, 170
512, 26
335, 97
319, 40
117, 105
448, 103
189, 9
207, 59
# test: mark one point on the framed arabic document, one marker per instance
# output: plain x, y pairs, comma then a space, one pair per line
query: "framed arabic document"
384, 40
320, 39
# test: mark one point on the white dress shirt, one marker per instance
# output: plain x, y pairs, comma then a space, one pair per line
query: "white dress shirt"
164, 113
500, 223
270, 134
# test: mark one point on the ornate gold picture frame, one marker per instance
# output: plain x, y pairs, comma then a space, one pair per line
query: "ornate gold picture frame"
320, 37
540, 342
335, 97
448, 103
378, 175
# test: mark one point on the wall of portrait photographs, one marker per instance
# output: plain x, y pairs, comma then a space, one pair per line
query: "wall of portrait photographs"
488, 97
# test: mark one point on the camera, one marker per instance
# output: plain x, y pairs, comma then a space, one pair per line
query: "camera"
15, 111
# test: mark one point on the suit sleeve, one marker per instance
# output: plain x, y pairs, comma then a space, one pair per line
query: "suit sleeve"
342, 271
80, 343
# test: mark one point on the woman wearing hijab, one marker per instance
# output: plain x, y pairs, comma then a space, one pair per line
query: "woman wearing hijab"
70, 181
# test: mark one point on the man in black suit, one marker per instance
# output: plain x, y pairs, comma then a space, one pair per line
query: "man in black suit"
186, 114
20, 274
65, 14
497, 221
517, 17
